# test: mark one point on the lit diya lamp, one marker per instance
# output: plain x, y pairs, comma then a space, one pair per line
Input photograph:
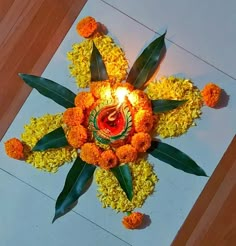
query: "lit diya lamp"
111, 120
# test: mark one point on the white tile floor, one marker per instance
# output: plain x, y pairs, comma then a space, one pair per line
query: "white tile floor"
200, 46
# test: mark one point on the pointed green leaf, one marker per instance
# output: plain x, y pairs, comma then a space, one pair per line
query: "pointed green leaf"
163, 105
76, 180
50, 89
175, 158
97, 66
146, 64
124, 177
54, 139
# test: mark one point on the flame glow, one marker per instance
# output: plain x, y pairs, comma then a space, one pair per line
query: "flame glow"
107, 93
121, 93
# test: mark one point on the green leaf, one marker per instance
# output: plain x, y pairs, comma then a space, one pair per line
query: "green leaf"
124, 177
97, 66
50, 89
54, 139
76, 180
146, 64
163, 105
175, 158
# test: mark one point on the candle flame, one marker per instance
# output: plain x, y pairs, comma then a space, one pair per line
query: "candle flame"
121, 93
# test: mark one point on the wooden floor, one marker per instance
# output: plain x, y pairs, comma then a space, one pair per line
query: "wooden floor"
212, 220
31, 31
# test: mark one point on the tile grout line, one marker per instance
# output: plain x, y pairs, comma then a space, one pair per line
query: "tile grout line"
179, 46
51, 198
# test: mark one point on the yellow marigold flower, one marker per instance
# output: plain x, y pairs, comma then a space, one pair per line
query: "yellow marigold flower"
113, 57
112, 195
141, 141
108, 160
77, 136
86, 27
14, 148
73, 116
101, 90
90, 153
48, 160
84, 100
139, 100
176, 122
133, 221
126, 153
211, 94
143, 121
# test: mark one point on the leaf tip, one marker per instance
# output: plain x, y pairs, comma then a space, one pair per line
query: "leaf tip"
21, 75
204, 174
130, 196
56, 216
54, 219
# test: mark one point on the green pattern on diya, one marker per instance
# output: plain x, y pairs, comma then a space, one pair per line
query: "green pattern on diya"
110, 122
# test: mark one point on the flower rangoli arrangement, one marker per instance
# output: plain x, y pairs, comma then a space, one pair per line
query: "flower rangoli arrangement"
110, 128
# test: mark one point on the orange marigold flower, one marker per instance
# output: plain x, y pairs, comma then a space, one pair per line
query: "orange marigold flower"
90, 153
211, 94
100, 89
77, 136
139, 100
132, 221
14, 148
73, 116
126, 153
108, 159
84, 100
87, 26
143, 121
141, 141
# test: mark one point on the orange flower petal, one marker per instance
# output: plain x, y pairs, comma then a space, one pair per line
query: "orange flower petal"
14, 148
211, 94
126, 153
84, 100
108, 159
73, 116
77, 136
133, 220
143, 121
141, 141
87, 26
90, 153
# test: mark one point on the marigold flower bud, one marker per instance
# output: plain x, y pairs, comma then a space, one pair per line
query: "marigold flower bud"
84, 100
73, 116
77, 136
211, 94
126, 153
143, 121
90, 153
132, 221
87, 26
141, 141
108, 159
14, 148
